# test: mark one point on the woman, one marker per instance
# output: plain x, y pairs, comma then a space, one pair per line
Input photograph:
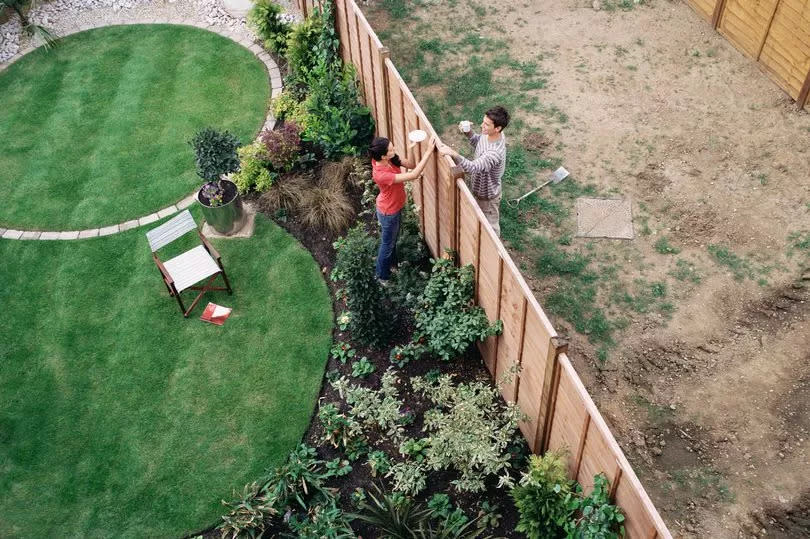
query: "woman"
386, 170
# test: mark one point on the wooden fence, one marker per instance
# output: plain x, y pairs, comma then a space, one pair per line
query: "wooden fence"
775, 33
561, 414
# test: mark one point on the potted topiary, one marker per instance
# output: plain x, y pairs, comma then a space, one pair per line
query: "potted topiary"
215, 155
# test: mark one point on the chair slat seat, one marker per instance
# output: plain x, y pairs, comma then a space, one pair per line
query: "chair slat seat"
191, 267
170, 230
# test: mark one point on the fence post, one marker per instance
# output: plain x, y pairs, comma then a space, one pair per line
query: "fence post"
548, 400
382, 56
456, 173
805, 91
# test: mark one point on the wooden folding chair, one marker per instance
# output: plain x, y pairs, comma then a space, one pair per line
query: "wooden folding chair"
184, 271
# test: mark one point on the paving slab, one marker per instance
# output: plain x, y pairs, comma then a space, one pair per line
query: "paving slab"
107, 230
89, 233
12, 234
248, 220
49, 236
128, 225
167, 211
69, 235
186, 202
604, 218
31, 235
151, 218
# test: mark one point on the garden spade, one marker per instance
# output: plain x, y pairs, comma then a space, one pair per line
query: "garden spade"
556, 177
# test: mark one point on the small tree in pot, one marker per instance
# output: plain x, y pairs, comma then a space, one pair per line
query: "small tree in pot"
215, 155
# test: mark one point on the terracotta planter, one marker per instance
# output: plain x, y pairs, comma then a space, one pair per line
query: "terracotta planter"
227, 218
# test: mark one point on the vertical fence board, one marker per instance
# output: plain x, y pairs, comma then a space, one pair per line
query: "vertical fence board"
705, 8
568, 416
511, 313
596, 458
468, 239
786, 52
745, 23
489, 284
536, 344
343, 31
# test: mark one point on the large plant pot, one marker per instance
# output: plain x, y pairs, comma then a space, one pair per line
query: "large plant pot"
228, 218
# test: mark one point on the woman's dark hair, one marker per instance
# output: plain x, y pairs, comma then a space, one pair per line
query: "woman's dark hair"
379, 147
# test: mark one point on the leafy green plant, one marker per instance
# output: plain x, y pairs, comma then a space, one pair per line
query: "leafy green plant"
343, 321
301, 476
253, 173
402, 355
488, 515
337, 468
446, 316
371, 322
342, 351
440, 505
362, 367
247, 516
31, 29
264, 19
470, 431
390, 515
409, 478
375, 408
323, 520
379, 463
663, 247
596, 517
215, 155
740, 267
338, 428
541, 497
414, 449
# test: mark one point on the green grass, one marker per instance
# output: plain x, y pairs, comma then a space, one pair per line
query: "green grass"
120, 418
740, 267
662, 246
686, 271
94, 132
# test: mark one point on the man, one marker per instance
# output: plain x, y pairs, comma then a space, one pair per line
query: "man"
487, 166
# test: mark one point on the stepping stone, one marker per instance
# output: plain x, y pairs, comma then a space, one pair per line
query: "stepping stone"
30, 235
604, 218
148, 219
11, 234
186, 202
49, 236
167, 211
107, 230
69, 235
89, 233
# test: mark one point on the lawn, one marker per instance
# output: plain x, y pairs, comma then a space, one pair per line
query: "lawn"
120, 418
94, 132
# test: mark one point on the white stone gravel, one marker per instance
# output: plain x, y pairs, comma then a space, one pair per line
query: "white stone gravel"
63, 16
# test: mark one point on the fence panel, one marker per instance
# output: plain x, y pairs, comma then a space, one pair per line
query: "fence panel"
705, 8
786, 53
746, 24
341, 23
488, 276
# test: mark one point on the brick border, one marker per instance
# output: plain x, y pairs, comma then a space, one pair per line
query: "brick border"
273, 79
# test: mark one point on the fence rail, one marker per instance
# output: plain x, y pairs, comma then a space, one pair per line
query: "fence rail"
775, 33
561, 414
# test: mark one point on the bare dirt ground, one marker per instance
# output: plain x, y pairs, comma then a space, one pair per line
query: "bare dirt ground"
712, 402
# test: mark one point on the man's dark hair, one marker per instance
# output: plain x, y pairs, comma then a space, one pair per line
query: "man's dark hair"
499, 116
379, 147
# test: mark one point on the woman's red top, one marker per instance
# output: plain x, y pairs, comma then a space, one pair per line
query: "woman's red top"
392, 195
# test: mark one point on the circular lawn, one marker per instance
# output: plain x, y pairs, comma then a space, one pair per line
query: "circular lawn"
95, 130
120, 418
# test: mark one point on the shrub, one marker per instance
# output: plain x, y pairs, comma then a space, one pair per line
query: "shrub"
445, 314
379, 463
247, 516
282, 146
290, 107
325, 209
264, 19
286, 193
542, 497
362, 367
215, 153
470, 431
375, 408
309, 41
371, 321
253, 172
338, 429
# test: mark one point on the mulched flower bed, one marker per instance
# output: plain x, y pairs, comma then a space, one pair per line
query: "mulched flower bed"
469, 368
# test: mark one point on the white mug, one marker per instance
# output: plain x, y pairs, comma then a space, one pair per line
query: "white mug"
465, 126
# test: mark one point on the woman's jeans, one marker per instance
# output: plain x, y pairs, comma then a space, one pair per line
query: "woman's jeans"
387, 254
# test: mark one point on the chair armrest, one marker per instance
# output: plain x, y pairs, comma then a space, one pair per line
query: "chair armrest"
208, 247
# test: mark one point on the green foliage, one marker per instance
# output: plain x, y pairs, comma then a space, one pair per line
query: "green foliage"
253, 172
391, 516
378, 463
663, 247
370, 321
338, 429
375, 408
342, 351
308, 41
273, 30
446, 316
799, 241
541, 497
248, 515
740, 267
470, 429
409, 478
402, 355
684, 271
362, 367
597, 517
414, 449
323, 520
413, 255
301, 476
214, 153
282, 146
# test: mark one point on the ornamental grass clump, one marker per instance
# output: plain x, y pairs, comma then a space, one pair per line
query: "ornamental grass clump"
447, 319
370, 322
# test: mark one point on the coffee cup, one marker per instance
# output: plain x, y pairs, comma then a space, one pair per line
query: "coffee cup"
465, 126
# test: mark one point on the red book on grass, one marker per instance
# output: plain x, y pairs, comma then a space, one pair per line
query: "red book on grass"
216, 314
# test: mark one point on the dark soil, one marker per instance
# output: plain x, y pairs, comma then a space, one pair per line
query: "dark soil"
466, 369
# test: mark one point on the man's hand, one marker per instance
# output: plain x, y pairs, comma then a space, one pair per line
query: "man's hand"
444, 149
